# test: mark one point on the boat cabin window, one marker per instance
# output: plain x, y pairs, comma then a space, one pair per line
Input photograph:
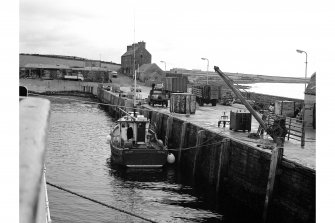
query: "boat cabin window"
141, 131
130, 133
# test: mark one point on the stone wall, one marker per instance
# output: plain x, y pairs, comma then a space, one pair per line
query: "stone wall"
267, 99
234, 168
44, 86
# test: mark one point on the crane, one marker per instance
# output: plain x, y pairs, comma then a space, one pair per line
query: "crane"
277, 129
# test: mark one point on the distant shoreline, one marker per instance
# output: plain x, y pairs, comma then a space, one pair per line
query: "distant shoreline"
251, 79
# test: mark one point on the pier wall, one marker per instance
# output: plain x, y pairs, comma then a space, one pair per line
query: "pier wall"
49, 86
34, 121
227, 166
267, 99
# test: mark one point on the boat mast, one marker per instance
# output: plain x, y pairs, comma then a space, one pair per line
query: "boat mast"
134, 71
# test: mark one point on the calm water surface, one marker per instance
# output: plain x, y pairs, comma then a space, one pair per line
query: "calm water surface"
77, 159
278, 89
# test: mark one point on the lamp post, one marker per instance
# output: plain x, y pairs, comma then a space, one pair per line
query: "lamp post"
303, 108
162, 61
207, 68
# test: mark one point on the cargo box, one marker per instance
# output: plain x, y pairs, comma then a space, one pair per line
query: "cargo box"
175, 84
286, 108
182, 103
240, 121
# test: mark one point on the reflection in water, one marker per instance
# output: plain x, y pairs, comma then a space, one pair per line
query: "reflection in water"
76, 160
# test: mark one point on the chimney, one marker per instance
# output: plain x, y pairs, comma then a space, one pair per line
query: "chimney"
135, 45
141, 44
129, 47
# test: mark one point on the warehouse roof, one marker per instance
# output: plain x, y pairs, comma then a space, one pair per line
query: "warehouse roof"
46, 66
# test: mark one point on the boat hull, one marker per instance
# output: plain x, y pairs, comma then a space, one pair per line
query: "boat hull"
139, 158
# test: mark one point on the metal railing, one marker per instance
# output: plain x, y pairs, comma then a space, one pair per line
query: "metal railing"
293, 126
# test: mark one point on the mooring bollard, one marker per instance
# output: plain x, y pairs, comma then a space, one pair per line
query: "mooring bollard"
276, 157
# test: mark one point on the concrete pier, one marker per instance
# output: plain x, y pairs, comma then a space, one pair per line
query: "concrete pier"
229, 162
34, 117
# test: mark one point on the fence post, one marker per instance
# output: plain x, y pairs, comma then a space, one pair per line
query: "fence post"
276, 157
289, 130
200, 136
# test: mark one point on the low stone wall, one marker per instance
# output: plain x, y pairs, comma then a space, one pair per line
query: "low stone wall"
44, 86
266, 99
234, 168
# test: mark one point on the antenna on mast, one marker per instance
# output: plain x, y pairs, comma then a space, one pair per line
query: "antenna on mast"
134, 70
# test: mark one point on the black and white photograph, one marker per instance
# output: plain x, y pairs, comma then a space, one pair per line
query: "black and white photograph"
168, 111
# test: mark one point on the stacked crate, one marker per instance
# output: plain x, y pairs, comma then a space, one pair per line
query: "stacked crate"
183, 103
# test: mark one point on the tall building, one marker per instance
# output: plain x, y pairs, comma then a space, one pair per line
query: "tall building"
142, 56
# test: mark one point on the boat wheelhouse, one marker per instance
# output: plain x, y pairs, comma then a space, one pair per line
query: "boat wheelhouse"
134, 144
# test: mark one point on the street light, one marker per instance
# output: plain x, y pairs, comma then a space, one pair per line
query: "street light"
303, 108
162, 61
207, 67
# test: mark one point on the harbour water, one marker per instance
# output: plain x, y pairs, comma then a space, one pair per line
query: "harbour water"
278, 89
77, 159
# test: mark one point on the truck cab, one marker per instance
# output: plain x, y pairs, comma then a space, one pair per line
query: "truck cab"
158, 96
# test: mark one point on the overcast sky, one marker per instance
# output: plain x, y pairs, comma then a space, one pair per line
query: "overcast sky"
256, 37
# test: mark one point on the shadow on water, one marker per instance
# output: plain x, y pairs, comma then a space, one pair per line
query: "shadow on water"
139, 175
166, 195
184, 192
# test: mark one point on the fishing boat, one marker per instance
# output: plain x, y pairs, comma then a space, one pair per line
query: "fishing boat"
134, 143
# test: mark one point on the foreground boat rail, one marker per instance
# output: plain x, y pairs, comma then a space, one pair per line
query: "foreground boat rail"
34, 116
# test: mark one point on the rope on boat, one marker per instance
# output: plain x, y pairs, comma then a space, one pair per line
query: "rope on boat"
101, 203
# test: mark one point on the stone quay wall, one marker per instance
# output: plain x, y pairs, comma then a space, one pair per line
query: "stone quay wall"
223, 165
232, 167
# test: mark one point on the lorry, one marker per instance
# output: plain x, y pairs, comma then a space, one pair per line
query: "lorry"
206, 94
158, 95
75, 77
